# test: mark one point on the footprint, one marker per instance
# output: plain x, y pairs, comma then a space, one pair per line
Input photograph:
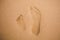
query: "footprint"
36, 20
20, 22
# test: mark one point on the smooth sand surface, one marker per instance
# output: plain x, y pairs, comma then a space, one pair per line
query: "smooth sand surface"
50, 19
